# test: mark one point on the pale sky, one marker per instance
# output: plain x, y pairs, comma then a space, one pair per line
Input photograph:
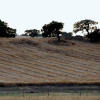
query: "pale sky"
33, 14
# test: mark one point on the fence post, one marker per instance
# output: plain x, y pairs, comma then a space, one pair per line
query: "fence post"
48, 91
80, 93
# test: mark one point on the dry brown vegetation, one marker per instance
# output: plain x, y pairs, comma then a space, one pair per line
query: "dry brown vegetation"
52, 98
41, 61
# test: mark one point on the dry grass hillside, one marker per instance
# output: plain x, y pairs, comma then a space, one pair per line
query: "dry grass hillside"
51, 98
46, 61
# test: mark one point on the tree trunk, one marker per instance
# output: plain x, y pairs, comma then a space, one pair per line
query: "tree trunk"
87, 32
58, 37
87, 29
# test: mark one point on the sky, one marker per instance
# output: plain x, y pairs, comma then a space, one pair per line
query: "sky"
33, 14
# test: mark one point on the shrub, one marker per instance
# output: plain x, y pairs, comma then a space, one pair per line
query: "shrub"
94, 36
78, 37
67, 35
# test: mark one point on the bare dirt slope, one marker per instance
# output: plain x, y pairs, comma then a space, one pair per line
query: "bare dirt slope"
41, 61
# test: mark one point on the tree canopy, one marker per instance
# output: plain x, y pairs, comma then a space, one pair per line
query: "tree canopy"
52, 29
32, 32
87, 25
6, 31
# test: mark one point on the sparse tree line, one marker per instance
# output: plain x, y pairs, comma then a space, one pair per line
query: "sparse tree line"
53, 29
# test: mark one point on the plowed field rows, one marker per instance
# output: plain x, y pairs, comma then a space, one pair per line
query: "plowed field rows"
45, 62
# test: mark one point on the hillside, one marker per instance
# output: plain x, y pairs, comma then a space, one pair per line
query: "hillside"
43, 61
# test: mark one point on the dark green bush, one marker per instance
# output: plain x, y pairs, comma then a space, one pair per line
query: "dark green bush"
94, 36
